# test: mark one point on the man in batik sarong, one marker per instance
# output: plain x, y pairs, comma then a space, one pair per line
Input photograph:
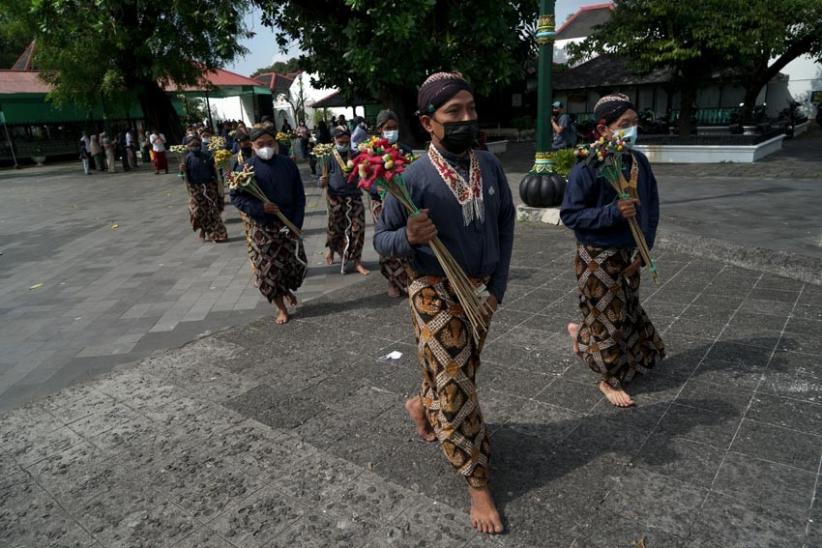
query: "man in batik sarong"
465, 200
615, 339
346, 211
278, 259
393, 268
201, 180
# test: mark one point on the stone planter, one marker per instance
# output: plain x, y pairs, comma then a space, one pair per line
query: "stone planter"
39, 159
497, 147
710, 154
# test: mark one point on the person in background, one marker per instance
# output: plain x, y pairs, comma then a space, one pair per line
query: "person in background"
393, 268
131, 148
85, 154
323, 134
121, 150
360, 133
201, 178
245, 151
145, 147
108, 148
97, 153
158, 146
303, 135
346, 211
565, 134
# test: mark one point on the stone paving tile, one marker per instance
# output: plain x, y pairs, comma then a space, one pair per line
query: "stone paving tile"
253, 437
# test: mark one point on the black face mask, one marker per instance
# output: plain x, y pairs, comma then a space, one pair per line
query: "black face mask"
459, 136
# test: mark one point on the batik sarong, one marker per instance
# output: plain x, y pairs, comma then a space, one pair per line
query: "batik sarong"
274, 258
204, 212
450, 358
393, 268
346, 226
616, 338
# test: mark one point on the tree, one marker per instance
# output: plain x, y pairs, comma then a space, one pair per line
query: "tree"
282, 67
297, 100
753, 39
692, 39
116, 51
771, 35
383, 49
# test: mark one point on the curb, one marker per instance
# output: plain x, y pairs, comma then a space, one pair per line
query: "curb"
781, 263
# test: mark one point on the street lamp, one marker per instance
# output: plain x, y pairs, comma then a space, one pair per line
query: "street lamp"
541, 187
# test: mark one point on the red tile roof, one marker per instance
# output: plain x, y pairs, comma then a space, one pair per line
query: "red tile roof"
24, 61
276, 81
22, 81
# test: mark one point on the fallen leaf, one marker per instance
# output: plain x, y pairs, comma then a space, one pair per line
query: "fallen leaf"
115, 226
36, 286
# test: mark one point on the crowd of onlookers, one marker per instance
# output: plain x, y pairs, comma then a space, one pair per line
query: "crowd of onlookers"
132, 148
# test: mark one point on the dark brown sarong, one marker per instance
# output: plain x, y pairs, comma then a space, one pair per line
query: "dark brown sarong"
393, 268
616, 338
204, 212
273, 256
449, 358
346, 226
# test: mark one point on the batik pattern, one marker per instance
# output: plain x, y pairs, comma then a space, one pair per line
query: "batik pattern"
616, 338
204, 212
450, 358
274, 258
346, 226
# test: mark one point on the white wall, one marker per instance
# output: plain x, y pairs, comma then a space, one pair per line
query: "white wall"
805, 76
232, 108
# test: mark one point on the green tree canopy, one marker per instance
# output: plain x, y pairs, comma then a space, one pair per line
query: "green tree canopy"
384, 49
281, 67
117, 50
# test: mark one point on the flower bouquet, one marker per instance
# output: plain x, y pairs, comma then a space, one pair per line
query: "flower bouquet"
323, 151
178, 149
381, 163
605, 156
216, 143
222, 157
245, 181
282, 138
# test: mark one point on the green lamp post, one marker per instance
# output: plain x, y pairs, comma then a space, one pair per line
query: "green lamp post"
541, 187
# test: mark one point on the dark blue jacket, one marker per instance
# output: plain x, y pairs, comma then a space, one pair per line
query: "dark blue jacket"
590, 210
200, 168
280, 180
481, 248
338, 184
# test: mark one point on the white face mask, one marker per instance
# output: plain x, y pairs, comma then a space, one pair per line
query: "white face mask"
391, 135
266, 153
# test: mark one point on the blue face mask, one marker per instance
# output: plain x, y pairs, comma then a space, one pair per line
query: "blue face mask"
342, 149
391, 135
629, 135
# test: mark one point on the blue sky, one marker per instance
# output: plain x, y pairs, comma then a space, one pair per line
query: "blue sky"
264, 50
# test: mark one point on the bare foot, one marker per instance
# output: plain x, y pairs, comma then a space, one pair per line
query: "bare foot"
393, 291
573, 329
282, 315
329, 257
484, 515
291, 298
417, 413
616, 396
361, 269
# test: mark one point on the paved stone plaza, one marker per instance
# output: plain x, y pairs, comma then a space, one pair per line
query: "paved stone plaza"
257, 435
112, 295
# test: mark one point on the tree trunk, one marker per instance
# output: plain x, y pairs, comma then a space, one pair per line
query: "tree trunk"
686, 110
159, 112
